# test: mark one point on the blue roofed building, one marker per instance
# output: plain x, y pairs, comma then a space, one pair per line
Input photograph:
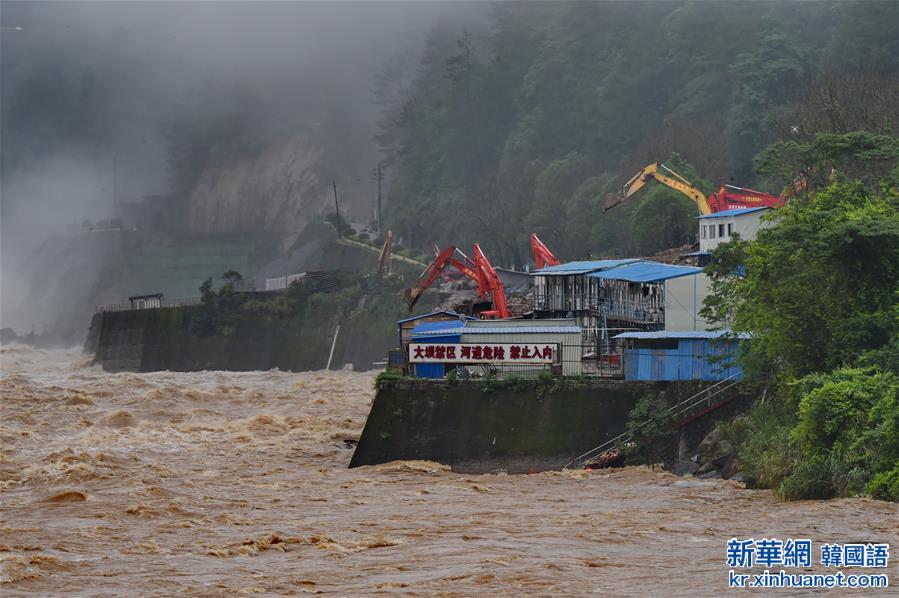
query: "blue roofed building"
608, 297
404, 327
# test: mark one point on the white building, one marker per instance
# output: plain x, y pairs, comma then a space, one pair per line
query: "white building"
718, 228
684, 298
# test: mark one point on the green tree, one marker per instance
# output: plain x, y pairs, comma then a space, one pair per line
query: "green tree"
818, 291
847, 434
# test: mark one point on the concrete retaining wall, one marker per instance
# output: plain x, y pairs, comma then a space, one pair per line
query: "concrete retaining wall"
530, 428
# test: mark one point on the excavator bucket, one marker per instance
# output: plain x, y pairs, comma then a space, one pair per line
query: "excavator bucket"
612, 200
411, 296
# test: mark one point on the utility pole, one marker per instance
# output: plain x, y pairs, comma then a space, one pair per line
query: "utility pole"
379, 176
336, 207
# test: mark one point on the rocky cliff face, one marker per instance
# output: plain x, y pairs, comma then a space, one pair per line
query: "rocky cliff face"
279, 190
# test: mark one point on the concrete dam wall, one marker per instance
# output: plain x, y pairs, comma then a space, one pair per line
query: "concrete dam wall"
161, 339
531, 428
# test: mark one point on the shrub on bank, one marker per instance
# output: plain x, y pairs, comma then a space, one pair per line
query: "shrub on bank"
842, 440
763, 445
387, 378
885, 485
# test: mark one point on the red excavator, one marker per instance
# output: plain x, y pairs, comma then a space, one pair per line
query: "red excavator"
543, 257
728, 197
478, 269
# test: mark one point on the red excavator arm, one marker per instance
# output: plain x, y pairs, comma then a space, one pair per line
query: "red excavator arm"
444, 258
478, 270
730, 197
543, 257
488, 280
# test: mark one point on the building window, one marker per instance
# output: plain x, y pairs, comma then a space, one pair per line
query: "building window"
721, 230
730, 229
702, 230
666, 344
711, 231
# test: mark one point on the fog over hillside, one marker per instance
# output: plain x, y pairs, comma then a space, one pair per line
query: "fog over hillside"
98, 98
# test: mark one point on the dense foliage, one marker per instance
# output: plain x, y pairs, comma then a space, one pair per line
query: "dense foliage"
525, 128
818, 290
368, 302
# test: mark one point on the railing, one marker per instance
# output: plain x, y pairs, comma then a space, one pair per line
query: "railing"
566, 301
703, 397
716, 390
636, 311
128, 306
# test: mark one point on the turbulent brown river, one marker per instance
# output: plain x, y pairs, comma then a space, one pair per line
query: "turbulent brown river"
223, 483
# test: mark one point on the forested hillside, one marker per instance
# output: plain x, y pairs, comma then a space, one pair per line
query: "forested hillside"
526, 127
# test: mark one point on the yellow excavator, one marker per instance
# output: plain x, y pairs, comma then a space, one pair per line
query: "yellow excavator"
652, 172
728, 197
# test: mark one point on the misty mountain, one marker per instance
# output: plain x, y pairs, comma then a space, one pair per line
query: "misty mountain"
525, 129
186, 121
210, 105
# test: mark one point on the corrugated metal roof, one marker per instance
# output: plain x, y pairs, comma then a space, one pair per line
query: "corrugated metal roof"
518, 322
444, 326
736, 212
525, 330
645, 272
435, 313
501, 330
680, 334
582, 267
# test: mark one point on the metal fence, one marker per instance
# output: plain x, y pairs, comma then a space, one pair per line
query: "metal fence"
129, 306
613, 309
604, 366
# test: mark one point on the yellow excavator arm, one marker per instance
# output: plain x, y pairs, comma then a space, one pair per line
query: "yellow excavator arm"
675, 181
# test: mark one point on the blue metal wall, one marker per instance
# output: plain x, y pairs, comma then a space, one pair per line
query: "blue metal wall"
429, 370
694, 359
433, 370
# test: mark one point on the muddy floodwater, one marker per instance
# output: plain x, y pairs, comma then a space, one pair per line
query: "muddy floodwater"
221, 483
